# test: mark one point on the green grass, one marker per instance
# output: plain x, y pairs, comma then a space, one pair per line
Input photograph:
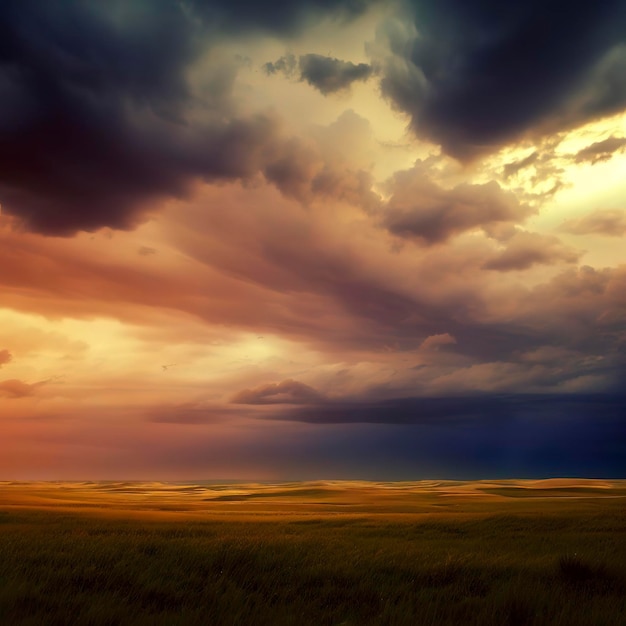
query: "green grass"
501, 565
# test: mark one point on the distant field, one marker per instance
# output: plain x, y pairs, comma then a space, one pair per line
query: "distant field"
350, 553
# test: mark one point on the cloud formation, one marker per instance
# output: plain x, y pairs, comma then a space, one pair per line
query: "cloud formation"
421, 210
282, 17
600, 150
14, 388
436, 342
286, 64
99, 118
475, 75
5, 357
476, 408
249, 230
329, 75
73, 83
610, 222
326, 74
285, 392
525, 249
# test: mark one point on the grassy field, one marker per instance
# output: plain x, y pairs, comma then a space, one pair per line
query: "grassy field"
496, 552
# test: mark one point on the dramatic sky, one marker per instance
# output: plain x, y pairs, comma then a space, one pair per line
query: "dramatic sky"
306, 239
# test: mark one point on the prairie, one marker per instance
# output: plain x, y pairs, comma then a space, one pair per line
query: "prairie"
326, 552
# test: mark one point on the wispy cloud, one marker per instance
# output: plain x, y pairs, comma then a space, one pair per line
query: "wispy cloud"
610, 222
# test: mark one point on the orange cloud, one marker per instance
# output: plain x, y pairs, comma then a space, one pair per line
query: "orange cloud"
434, 342
14, 388
5, 357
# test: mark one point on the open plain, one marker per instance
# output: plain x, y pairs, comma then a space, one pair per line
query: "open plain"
346, 552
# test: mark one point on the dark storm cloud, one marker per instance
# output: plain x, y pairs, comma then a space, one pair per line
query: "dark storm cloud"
285, 392
401, 411
610, 222
476, 436
521, 445
329, 75
601, 150
97, 117
73, 76
282, 17
475, 74
285, 65
478, 408
470, 436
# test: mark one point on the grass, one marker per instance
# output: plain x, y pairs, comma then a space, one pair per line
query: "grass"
492, 560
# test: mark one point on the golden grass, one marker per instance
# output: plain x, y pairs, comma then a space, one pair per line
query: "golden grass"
317, 553
303, 499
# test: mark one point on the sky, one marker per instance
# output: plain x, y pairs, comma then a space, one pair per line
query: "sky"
312, 239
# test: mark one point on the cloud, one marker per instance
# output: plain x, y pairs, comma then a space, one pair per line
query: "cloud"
326, 74
146, 251
399, 411
5, 357
435, 342
74, 79
338, 288
581, 309
108, 90
14, 388
473, 75
281, 17
268, 268
525, 249
512, 168
333, 286
287, 65
285, 392
420, 209
100, 119
580, 434
329, 75
600, 150
476, 408
610, 222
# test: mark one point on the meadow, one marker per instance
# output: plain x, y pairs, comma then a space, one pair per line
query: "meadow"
318, 553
